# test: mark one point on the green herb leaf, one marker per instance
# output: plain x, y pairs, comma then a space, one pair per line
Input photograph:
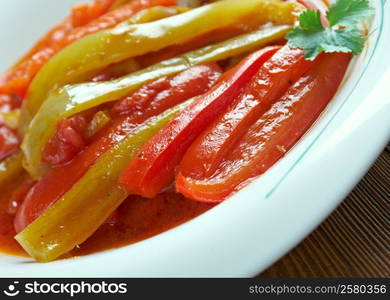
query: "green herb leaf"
348, 13
310, 20
342, 35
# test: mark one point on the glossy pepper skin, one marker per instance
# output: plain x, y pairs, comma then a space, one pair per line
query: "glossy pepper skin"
267, 86
17, 80
77, 62
57, 34
73, 99
64, 129
154, 166
267, 140
167, 91
131, 111
84, 13
86, 206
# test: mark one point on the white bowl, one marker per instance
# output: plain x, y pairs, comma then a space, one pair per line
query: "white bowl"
250, 231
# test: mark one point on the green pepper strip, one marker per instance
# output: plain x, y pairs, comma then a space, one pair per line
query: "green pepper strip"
73, 99
80, 212
41, 84
76, 62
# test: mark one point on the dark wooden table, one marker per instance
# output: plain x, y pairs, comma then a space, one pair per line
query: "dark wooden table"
354, 241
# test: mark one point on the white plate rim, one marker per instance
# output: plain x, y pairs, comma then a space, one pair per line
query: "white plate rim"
187, 251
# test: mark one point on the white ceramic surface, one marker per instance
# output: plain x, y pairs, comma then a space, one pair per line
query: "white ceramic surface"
250, 231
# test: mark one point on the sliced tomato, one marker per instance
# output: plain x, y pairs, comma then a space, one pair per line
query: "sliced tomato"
69, 138
67, 141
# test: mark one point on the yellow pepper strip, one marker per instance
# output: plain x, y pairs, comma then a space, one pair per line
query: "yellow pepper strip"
123, 68
131, 64
73, 99
99, 120
68, 65
11, 118
79, 60
10, 168
80, 212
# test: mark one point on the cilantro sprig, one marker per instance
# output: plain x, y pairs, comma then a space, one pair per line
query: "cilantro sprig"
342, 35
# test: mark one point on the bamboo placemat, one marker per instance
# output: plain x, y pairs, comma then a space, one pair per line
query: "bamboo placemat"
354, 241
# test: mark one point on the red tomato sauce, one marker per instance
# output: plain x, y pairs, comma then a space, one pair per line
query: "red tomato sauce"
8, 244
136, 219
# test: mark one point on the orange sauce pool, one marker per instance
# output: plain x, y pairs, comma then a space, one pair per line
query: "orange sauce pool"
8, 244
135, 220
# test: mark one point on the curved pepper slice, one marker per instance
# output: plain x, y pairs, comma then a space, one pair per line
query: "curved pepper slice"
73, 99
166, 91
267, 86
139, 107
81, 211
84, 57
60, 32
155, 164
13, 80
19, 193
269, 138
84, 13
17, 80
72, 133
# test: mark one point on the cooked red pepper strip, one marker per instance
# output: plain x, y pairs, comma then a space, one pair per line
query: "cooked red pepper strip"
58, 181
269, 138
84, 13
54, 35
154, 166
159, 95
17, 197
267, 86
60, 31
91, 200
187, 84
68, 140
17, 80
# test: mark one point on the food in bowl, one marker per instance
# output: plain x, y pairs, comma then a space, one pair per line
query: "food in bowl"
131, 117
